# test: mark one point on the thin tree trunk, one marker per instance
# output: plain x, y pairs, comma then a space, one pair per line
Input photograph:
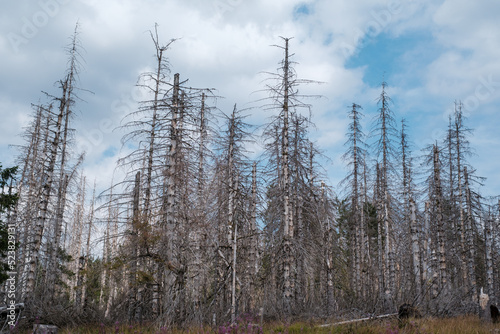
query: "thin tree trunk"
28, 180
380, 244
458, 144
171, 171
330, 295
104, 267
114, 248
76, 244
452, 200
438, 206
253, 261
470, 240
426, 256
489, 260
43, 204
355, 206
132, 279
415, 250
87, 249
287, 204
389, 254
233, 283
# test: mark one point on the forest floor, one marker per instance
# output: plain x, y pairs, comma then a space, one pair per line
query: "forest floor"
457, 325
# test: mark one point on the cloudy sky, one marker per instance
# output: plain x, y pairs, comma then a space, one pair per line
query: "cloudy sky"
430, 52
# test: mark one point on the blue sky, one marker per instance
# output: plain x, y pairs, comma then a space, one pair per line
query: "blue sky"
431, 53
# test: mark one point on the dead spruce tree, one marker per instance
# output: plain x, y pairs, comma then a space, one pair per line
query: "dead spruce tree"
437, 206
235, 215
437, 266
165, 253
310, 215
48, 169
410, 231
459, 149
147, 126
356, 151
461, 208
386, 137
284, 137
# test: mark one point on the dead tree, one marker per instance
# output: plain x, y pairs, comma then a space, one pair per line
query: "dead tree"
469, 237
461, 150
354, 157
134, 231
415, 241
280, 147
410, 210
438, 207
386, 133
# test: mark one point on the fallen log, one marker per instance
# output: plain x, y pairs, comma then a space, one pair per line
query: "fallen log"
359, 320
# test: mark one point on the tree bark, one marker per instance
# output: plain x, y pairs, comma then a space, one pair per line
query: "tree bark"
471, 266
132, 278
287, 203
415, 250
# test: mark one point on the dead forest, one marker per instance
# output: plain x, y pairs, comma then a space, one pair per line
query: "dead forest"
199, 233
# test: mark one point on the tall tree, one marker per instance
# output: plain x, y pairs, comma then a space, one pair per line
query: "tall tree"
385, 147
285, 137
409, 212
48, 172
356, 151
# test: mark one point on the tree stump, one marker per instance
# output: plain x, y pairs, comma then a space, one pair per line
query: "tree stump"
408, 311
495, 314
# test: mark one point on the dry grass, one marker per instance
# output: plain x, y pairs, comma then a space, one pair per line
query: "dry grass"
459, 325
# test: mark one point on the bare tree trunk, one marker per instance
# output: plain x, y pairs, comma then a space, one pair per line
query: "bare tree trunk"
380, 244
76, 245
367, 247
455, 231
104, 279
389, 254
43, 203
426, 256
233, 283
253, 260
458, 143
132, 280
232, 225
54, 249
438, 206
435, 274
171, 170
489, 260
386, 204
87, 249
356, 242
470, 240
201, 213
328, 230
287, 204
415, 250
65, 103
25, 225
113, 289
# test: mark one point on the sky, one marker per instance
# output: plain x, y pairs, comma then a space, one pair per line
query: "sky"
430, 52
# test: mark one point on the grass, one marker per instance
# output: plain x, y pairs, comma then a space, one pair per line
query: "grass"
459, 325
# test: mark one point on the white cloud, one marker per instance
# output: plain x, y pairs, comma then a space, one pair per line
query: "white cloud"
225, 44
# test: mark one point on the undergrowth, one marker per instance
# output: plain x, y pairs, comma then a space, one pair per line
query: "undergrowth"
249, 325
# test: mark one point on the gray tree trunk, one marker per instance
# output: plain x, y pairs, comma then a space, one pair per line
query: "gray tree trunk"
471, 265
415, 250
